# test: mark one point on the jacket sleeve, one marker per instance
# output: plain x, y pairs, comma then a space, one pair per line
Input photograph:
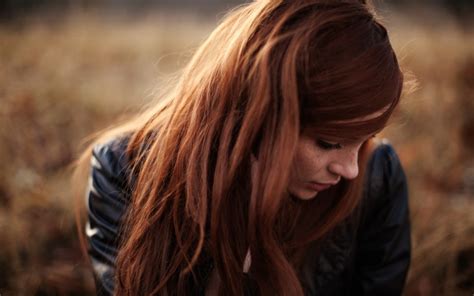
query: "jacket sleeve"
107, 197
383, 248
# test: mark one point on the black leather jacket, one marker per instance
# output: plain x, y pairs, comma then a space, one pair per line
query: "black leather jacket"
372, 260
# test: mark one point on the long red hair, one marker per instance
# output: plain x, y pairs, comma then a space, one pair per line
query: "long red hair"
270, 72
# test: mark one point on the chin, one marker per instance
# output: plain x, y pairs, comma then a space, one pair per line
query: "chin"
304, 194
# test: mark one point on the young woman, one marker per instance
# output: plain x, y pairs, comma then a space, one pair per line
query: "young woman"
258, 173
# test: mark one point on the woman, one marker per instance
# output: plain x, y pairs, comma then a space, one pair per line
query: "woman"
257, 174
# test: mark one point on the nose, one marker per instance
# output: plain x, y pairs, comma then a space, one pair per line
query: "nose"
346, 164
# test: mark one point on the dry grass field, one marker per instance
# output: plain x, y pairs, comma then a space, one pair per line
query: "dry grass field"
62, 79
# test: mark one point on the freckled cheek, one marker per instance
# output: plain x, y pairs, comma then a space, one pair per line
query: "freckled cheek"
305, 167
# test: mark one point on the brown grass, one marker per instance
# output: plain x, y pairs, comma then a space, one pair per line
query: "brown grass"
63, 80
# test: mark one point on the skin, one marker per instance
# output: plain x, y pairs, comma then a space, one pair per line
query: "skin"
314, 163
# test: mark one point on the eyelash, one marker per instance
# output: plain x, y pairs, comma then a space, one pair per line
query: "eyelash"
328, 146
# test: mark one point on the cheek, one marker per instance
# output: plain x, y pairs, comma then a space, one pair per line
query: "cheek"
305, 168
307, 163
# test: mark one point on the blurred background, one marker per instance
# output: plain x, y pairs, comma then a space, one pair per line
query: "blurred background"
69, 68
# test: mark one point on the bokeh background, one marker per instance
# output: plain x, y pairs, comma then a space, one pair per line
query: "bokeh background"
70, 68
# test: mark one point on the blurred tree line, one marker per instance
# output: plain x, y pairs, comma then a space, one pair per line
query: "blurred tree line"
462, 10
11, 9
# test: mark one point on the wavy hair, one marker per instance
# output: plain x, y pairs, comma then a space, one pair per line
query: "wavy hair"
269, 73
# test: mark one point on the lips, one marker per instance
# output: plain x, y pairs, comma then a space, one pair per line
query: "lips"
318, 186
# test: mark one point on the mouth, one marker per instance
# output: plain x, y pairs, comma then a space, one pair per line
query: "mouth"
319, 186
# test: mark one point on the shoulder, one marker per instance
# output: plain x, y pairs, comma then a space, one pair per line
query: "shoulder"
384, 161
111, 152
384, 169
109, 187
383, 240
107, 199
109, 158
385, 181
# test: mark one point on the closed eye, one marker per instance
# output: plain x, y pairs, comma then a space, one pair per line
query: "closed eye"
328, 146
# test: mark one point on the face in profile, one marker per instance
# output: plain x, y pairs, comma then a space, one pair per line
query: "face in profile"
319, 164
